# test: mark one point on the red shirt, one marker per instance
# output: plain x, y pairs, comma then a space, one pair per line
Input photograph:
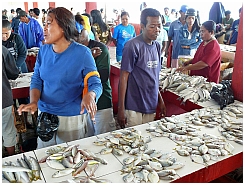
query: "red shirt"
211, 55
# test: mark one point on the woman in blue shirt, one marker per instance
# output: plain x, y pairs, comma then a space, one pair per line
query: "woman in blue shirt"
122, 33
58, 81
189, 34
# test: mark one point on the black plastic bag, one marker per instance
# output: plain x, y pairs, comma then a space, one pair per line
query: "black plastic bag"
223, 95
47, 124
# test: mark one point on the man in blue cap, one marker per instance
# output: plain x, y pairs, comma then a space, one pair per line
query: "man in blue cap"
173, 35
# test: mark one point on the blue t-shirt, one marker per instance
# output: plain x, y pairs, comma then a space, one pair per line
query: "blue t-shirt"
60, 79
173, 32
122, 34
234, 28
143, 63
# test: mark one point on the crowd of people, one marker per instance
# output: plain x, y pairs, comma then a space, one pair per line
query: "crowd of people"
75, 50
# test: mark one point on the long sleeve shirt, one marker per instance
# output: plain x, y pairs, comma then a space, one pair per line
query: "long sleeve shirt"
60, 79
9, 71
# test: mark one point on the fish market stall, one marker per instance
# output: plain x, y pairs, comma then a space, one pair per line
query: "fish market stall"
198, 146
169, 80
20, 86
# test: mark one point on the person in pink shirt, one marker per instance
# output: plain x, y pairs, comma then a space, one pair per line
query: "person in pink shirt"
207, 59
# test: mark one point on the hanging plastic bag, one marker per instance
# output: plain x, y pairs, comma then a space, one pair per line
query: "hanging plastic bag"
222, 93
47, 124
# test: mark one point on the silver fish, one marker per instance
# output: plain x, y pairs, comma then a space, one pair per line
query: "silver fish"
106, 151
153, 177
9, 168
128, 178
164, 173
54, 164
62, 173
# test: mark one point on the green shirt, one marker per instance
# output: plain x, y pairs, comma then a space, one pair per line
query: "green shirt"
103, 66
225, 21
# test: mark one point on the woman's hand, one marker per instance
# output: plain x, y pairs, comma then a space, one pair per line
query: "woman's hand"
96, 51
88, 103
31, 107
181, 69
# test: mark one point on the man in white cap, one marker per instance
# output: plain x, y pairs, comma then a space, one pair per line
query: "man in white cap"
173, 35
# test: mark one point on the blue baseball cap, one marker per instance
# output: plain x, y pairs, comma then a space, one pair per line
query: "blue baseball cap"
184, 8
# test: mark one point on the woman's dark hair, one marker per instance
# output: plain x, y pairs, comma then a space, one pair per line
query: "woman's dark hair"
90, 22
96, 16
6, 24
65, 19
196, 24
210, 26
148, 12
124, 13
163, 20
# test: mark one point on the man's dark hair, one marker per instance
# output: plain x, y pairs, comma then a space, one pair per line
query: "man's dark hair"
148, 12
6, 24
36, 11
18, 9
227, 12
44, 11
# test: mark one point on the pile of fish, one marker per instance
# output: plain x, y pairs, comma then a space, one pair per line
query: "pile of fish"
72, 160
200, 147
204, 148
193, 88
233, 130
170, 125
24, 170
127, 140
226, 120
150, 166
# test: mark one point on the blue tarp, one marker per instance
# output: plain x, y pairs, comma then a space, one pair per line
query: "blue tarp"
217, 12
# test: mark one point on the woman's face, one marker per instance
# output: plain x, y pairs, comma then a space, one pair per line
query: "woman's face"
5, 34
205, 34
52, 32
190, 20
125, 19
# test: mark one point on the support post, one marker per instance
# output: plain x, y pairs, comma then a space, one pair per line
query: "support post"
237, 75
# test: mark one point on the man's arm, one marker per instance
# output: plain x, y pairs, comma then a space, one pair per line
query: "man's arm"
122, 88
